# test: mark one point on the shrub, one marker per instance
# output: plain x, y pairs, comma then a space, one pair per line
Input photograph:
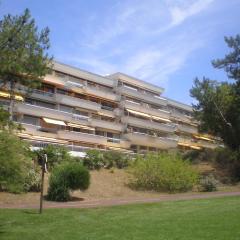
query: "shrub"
96, 159
162, 172
228, 162
55, 154
65, 178
208, 184
32, 182
14, 162
196, 156
115, 159
93, 159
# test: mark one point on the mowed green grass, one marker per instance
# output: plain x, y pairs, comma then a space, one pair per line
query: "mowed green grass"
217, 218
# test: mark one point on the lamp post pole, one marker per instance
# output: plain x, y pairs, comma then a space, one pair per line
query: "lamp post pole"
44, 169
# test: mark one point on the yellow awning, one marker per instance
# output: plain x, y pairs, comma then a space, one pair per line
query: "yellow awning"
184, 144
162, 119
195, 147
52, 121
7, 95
138, 113
80, 126
41, 138
203, 137
148, 115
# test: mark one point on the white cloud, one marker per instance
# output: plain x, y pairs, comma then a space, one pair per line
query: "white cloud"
180, 13
132, 37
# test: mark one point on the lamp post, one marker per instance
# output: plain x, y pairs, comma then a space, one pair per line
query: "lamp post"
43, 159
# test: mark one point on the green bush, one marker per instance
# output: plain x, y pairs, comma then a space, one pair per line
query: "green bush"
65, 178
228, 162
162, 172
93, 159
55, 154
15, 162
96, 159
208, 184
196, 156
32, 182
115, 159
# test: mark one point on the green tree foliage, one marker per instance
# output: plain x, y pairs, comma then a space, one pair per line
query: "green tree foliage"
55, 155
95, 159
14, 162
218, 103
65, 178
162, 172
7, 124
23, 53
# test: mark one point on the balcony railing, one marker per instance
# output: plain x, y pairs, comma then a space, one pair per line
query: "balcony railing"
39, 111
141, 96
142, 139
145, 123
145, 109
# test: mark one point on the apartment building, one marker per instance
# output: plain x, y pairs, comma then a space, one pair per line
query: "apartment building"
83, 110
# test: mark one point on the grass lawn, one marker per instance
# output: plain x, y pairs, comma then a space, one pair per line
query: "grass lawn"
196, 219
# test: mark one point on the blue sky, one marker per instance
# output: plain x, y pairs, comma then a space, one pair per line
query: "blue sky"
164, 42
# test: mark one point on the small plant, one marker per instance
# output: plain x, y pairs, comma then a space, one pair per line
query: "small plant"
65, 178
208, 184
162, 172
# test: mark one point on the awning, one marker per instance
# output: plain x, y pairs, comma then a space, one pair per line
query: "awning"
195, 147
7, 95
148, 115
80, 126
162, 119
53, 121
203, 137
138, 113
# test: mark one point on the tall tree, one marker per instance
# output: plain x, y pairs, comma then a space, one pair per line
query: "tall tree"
218, 103
24, 59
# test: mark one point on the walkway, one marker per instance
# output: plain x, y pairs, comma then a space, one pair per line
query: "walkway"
114, 202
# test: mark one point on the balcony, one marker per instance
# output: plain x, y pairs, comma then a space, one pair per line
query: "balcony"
187, 129
107, 113
117, 127
181, 117
101, 93
150, 141
42, 95
147, 110
207, 144
33, 133
142, 123
93, 139
141, 96
77, 102
38, 111
82, 137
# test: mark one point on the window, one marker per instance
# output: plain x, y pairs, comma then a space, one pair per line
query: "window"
40, 103
30, 120
113, 135
79, 112
65, 108
100, 133
62, 91
45, 104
